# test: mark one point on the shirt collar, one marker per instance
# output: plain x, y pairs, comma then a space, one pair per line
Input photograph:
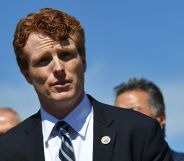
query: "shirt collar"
78, 119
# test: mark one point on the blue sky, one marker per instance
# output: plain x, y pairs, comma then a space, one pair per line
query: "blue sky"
123, 39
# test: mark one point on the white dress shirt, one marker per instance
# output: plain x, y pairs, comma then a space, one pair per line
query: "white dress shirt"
81, 120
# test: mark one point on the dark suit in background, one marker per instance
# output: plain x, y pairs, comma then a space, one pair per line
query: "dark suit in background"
177, 156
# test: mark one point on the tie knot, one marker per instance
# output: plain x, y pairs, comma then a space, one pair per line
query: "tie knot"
62, 127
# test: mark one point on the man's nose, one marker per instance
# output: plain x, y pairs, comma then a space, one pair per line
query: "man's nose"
58, 66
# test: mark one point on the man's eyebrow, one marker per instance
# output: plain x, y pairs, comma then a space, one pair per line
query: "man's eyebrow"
66, 50
41, 55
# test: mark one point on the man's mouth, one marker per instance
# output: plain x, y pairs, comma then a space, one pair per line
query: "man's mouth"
61, 84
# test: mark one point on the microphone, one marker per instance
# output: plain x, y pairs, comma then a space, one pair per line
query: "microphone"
17, 157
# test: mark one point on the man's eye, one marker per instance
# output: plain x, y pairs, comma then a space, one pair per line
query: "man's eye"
42, 62
66, 56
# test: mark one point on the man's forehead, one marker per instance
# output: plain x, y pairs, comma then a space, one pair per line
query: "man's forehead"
4, 118
40, 40
36, 39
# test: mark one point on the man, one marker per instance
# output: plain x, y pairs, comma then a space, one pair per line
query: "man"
8, 119
144, 96
71, 125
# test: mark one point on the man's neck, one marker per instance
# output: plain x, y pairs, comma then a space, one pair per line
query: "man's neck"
60, 109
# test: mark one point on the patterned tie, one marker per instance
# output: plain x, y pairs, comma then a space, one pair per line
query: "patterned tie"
66, 152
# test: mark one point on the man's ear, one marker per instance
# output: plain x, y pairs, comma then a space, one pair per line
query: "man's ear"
27, 75
83, 57
85, 65
162, 120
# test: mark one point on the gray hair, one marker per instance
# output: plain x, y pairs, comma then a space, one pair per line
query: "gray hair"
155, 97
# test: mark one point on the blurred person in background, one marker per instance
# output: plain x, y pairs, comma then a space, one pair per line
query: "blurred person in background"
144, 96
9, 118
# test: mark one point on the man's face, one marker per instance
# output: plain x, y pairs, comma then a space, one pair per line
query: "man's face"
56, 70
136, 100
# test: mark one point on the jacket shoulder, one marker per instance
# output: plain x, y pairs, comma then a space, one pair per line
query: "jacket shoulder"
18, 132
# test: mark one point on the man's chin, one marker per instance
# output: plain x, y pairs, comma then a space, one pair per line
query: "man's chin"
64, 96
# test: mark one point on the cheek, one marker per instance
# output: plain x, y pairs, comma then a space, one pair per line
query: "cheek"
39, 77
80, 74
77, 70
39, 80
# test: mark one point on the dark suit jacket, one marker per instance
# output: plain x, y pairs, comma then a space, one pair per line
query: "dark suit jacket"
177, 156
134, 137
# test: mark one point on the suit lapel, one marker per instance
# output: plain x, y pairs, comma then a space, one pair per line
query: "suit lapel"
34, 139
103, 143
104, 135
